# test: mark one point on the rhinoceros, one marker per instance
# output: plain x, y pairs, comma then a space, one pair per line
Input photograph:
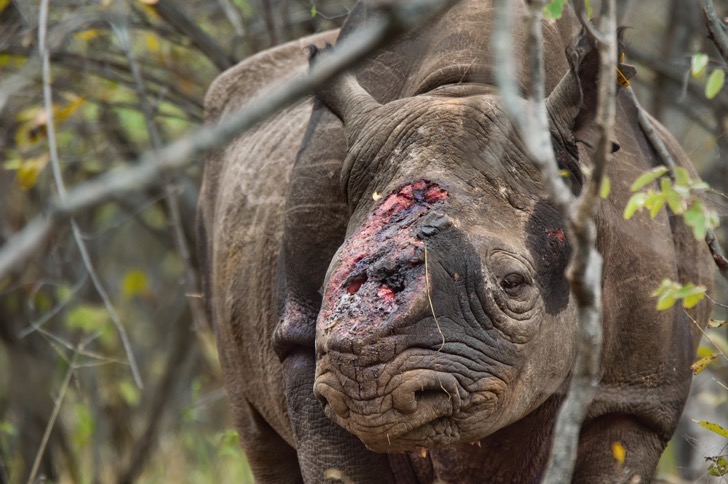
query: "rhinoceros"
385, 272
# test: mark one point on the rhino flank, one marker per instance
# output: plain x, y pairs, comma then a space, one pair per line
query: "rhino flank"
385, 273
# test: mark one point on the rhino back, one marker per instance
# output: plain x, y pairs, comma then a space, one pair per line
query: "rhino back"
240, 227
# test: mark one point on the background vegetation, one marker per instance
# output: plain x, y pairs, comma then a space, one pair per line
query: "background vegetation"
129, 76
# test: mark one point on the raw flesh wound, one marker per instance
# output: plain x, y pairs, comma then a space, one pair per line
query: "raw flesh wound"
381, 266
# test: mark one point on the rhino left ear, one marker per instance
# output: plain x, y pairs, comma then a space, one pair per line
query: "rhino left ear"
344, 96
573, 102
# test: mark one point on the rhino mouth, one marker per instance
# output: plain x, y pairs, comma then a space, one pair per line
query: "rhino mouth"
420, 408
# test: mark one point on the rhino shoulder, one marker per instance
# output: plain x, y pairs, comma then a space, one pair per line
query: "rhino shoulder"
251, 78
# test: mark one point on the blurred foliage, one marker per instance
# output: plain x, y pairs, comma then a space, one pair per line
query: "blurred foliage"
176, 428
53, 324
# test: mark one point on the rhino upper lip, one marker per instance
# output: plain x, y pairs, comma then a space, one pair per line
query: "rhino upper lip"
418, 407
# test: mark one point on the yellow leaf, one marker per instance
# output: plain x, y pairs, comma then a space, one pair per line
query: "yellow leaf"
619, 452
604, 188
152, 42
89, 34
703, 363
135, 282
28, 171
4, 4
61, 113
713, 428
33, 121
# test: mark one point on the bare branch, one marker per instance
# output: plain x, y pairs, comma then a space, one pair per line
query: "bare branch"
585, 267
149, 168
531, 118
56, 409
55, 164
173, 15
716, 28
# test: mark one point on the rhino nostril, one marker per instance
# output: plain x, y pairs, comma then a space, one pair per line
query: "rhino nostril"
427, 394
331, 400
354, 284
430, 396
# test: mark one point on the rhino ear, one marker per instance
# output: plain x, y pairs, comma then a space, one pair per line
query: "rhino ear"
572, 104
343, 95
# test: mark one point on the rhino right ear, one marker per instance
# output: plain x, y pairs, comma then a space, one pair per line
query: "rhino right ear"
573, 102
343, 95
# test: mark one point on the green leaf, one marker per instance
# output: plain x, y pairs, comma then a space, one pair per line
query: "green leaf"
695, 218
689, 293
648, 177
129, 392
554, 9
7, 428
693, 299
313, 10
636, 202
715, 83
90, 319
674, 199
605, 187
655, 202
719, 466
698, 64
85, 425
703, 363
666, 301
715, 428
682, 177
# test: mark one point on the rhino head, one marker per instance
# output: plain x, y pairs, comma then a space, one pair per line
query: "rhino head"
446, 313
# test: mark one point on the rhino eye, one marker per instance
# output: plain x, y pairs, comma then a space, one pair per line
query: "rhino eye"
513, 284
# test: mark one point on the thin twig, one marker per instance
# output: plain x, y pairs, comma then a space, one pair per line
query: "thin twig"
149, 168
432, 307
60, 185
59, 399
171, 12
38, 323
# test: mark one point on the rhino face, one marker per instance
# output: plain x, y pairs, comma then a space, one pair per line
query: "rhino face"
446, 314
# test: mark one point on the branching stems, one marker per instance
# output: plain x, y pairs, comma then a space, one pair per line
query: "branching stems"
62, 195
585, 267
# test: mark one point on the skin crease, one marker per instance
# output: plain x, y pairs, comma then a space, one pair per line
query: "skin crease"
326, 369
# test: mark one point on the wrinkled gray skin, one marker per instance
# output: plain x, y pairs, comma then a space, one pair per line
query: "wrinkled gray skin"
445, 321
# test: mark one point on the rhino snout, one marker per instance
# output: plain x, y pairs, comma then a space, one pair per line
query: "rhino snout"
412, 400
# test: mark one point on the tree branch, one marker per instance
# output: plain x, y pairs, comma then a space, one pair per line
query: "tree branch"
55, 165
150, 167
171, 13
716, 28
585, 267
